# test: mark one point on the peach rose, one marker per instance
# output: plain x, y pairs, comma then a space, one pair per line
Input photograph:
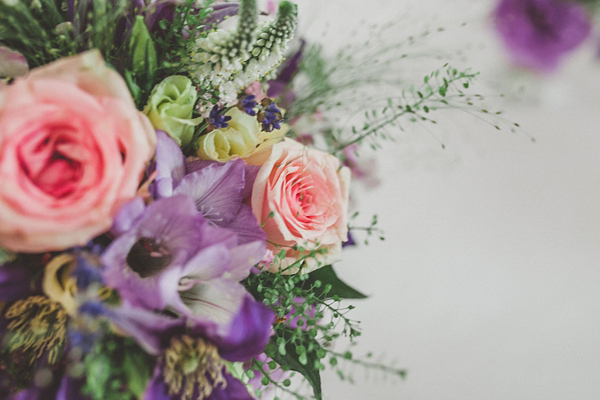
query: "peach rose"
306, 190
73, 147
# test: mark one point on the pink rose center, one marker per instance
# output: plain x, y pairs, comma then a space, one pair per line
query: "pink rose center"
308, 200
52, 157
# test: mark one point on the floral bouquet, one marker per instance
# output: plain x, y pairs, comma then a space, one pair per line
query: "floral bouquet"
174, 196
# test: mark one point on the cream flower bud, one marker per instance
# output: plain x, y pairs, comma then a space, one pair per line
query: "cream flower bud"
170, 108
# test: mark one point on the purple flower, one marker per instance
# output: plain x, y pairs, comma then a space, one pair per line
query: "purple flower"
217, 119
248, 104
191, 354
218, 190
538, 33
270, 116
172, 257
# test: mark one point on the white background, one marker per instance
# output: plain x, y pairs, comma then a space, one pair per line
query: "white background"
488, 283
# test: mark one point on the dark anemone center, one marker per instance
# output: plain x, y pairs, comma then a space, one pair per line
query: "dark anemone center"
540, 19
147, 257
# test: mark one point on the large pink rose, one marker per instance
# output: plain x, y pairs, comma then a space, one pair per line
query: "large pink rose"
306, 191
73, 147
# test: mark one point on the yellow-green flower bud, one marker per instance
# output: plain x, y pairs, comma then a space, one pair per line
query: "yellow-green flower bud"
242, 138
170, 108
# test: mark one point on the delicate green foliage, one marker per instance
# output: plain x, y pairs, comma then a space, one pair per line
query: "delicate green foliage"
6, 256
142, 51
413, 104
116, 368
310, 317
170, 49
339, 361
371, 87
371, 229
297, 357
42, 31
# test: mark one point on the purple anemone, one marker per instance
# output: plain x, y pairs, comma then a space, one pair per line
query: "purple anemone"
191, 354
171, 257
538, 33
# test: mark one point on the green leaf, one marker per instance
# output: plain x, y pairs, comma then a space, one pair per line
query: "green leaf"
331, 285
137, 370
143, 53
304, 364
6, 256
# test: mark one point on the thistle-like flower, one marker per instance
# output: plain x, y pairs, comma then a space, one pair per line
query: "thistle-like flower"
245, 55
222, 53
271, 44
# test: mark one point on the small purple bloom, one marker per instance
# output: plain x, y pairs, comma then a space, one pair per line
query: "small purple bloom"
270, 117
217, 120
248, 104
538, 33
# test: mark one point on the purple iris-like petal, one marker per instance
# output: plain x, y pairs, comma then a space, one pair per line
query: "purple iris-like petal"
157, 10
250, 172
246, 227
249, 331
196, 164
169, 167
291, 66
276, 88
250, 176
127, 215
233, 390
156, 389
70, 389
538, 33
216, 190
286, 74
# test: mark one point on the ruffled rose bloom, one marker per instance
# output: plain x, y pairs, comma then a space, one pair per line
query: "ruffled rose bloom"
170, 108
301, 196
73, 147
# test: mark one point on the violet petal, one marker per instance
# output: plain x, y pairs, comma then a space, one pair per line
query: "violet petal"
249, 331
233, 390
170, 165
216, 190
246, 226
